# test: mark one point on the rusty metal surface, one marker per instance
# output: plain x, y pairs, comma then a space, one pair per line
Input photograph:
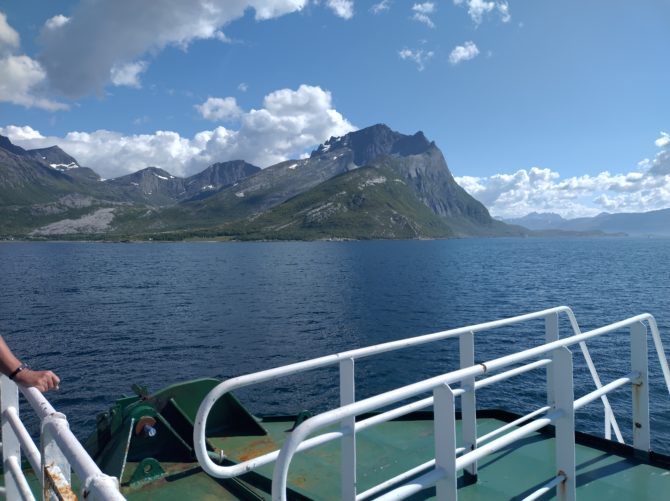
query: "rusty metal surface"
57, 484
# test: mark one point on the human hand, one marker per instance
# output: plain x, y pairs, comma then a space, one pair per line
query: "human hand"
42, 380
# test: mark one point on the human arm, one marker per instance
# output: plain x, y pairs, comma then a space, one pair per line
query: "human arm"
42, 380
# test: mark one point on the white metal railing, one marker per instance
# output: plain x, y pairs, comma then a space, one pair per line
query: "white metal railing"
59, 455
442, 470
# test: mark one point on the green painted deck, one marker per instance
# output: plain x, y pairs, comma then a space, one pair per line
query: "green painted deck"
394, 447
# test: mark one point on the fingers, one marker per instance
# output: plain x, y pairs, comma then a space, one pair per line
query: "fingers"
42, 380
48, 381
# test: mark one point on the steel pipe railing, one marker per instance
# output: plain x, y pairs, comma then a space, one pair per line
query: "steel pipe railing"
367, 405
236, 383
56, 438
349, 408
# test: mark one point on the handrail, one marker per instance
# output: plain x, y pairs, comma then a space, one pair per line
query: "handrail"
236, 383
333, 416
349, 408
62, 451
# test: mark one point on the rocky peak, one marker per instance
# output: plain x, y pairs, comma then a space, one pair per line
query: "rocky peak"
7, 145
372, 142
54, 157
225, 173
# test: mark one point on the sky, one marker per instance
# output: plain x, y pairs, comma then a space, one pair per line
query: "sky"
537, 105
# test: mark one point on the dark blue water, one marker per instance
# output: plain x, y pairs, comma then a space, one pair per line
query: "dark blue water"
104, 316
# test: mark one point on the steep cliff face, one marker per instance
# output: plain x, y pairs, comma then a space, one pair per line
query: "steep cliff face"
435, 186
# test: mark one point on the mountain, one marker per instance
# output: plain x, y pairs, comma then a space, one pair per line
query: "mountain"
152, 185
27, 179
54, 157
652, 223
157, 187
538, 221
365, 203
278, 183
418, 163
371, 202
418, 197
41, 188
7, 146
217, 176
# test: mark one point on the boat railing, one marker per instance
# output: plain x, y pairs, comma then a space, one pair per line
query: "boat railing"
59, 453
441, 471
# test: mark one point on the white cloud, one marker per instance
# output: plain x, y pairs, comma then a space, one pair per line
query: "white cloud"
216, 108
422, 13
128, 74
102, 35
424, 8
419, 56
463, 52
543, 190
9, 38
243, 87
56, 22
503, 10
380, 7
20, 76
342, 8
477, 9
290, 123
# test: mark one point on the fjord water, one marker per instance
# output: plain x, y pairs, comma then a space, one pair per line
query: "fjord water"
104, 316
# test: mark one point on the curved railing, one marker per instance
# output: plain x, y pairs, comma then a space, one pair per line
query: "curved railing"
349, 409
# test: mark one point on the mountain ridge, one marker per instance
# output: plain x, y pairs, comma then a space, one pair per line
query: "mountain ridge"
236, 194
649, 223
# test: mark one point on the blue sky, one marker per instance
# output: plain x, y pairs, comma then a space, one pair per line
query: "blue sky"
537, 106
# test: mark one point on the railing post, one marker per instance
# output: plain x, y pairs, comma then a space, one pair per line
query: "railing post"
468, 403
348, 460
445, 442
639, 363
56, 471
9, 397
550, 335
564, 398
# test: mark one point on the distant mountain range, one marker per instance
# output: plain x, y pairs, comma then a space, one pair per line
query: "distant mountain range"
653, 223
372, 183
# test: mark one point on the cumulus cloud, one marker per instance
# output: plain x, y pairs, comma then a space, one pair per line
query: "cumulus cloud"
20, 76
288, 124
543, 190
419, 56
380, 7
477, 9
422, 12
216, 108
128, 74
79, 55
342, 8
463, 53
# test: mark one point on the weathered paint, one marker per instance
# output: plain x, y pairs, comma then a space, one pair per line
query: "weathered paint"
56, 483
